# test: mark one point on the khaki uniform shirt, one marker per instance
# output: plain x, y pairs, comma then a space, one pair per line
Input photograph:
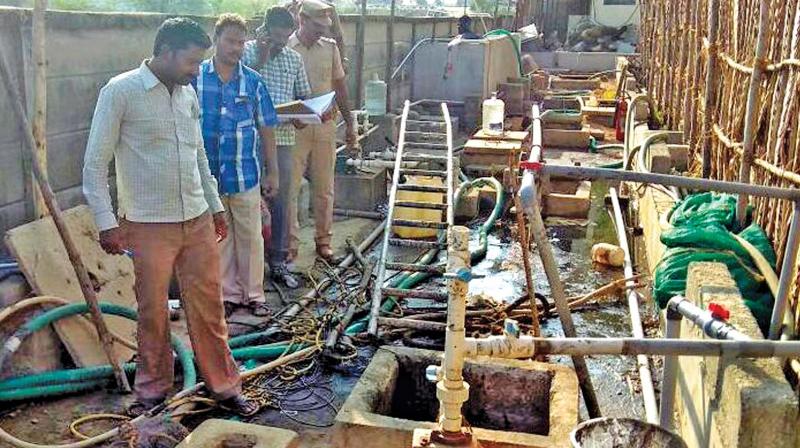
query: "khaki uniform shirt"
323, 65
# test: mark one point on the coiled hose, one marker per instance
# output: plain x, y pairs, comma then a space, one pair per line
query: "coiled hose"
61, 382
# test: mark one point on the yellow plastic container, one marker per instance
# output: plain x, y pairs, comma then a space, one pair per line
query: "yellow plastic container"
417, 214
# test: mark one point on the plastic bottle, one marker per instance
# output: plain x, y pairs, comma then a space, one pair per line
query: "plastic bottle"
494, 115
375, 91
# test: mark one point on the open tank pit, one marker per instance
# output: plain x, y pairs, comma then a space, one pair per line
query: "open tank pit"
512, 403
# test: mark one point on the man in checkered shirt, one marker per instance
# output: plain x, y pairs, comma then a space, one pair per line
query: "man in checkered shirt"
286, 79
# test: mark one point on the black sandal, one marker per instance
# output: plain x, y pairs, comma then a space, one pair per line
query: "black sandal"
259, 309
240, 405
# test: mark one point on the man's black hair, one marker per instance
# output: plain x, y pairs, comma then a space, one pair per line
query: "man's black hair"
278, 17
178, 34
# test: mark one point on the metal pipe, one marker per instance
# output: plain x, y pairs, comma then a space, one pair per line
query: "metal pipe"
787, 274
630, 120
691, 183
532, 209
362, 163
753, 105
452, 390
527, 347
327, 282
357, 214
413, 50
648, 392
710, 325
669, 380
376, 293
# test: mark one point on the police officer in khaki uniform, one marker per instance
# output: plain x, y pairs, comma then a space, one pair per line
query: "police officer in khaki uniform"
315, 148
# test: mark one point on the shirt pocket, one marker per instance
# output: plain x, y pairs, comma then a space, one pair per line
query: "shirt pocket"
187, 124
244, 112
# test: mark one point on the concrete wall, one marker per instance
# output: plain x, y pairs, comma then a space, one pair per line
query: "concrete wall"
615, 15
734, 403
84, 50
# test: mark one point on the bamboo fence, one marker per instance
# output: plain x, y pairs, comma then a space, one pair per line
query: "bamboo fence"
699, 57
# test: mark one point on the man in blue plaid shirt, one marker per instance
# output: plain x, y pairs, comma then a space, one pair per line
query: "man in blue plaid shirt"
237, 117
286, 79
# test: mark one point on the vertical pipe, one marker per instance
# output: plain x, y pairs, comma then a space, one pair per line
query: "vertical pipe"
39, 99
361, 33
529, 196
670, 371
452, 391
787, 275
648, 393
753, 104
559, 296
389, 56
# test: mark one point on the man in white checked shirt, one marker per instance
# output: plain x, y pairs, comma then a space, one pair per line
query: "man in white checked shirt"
147, 121
285, 75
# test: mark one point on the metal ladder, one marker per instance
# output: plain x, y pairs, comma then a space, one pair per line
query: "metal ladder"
423, 148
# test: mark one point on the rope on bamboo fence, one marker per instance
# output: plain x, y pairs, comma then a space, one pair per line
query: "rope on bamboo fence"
732, 63
776, 171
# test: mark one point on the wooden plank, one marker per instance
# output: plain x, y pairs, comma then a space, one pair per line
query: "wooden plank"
43, 259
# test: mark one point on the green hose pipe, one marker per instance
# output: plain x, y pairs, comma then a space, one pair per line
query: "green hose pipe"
506, 33
39, 392
59, 377
408, 280
37, 323
265, 351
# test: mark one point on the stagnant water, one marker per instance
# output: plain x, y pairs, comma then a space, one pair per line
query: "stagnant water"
615, 378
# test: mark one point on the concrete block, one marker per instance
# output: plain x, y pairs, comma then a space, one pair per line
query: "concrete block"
490, 152
362, 191
560, 138
393, 398
574, 84
599, 115
598, 134
513, 96
583, 62
738, 402
654, 207
658, 158
467, 207
216, 433
567, 198
679, 155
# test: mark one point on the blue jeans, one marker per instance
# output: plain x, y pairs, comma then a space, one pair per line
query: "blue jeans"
281, 222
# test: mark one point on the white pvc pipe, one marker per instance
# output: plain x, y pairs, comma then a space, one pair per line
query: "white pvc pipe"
452, 390
646, 377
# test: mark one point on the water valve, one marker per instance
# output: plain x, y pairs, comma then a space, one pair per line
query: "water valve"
433, 373
511, 328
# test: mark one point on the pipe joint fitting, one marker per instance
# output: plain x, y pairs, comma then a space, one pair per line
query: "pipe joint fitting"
448, 396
